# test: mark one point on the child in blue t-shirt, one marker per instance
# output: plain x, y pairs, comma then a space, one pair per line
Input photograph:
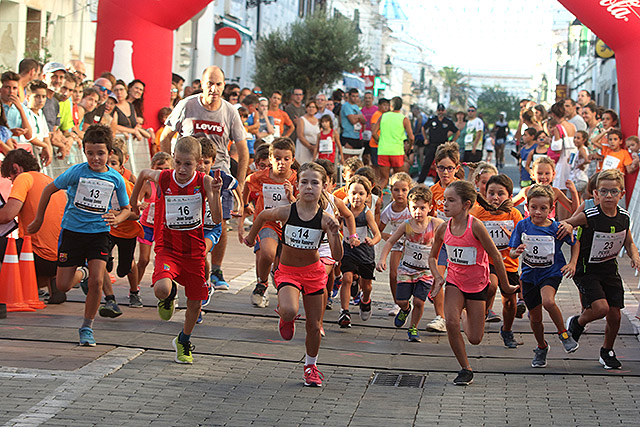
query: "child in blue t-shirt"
543, 266
84, 238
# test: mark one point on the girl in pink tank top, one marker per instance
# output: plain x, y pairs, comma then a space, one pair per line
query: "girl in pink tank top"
468, 247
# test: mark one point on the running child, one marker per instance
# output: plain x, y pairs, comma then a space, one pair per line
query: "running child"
414, 277
395, 214
328, 140
500, 218
149, 194
540, 151
543, 266
85, 225
351, 165
360, 259
179, 235
374, 201
447, 160
300, 270
481, 173
123, 236
469, 247
270, 188
604, 231
528, 145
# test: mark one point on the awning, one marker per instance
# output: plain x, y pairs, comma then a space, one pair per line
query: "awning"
351, 81
225, 22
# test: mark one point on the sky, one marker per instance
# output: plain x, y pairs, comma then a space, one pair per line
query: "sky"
497, 36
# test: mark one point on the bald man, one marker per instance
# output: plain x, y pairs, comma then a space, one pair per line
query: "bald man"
78, 69
208, 115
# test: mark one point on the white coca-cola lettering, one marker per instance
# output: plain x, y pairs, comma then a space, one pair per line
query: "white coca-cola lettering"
619, 9
207, 127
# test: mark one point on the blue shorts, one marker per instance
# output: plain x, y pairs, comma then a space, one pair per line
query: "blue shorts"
264, 233
213, 234
148, 235
443, 259
227, 204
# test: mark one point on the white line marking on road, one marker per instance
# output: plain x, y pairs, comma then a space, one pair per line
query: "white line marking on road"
77, 382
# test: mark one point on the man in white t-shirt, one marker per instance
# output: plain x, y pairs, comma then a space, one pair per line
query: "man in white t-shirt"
473, 136
208, 115
572, 116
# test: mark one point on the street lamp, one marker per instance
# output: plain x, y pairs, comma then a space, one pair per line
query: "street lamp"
387, 66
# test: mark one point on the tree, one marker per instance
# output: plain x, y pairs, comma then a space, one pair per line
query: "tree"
457, 85
309, 54
494, 100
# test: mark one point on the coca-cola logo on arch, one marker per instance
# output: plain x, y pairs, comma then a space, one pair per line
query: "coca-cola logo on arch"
621, 9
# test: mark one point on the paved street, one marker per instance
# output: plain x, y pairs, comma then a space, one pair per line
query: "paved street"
244, 374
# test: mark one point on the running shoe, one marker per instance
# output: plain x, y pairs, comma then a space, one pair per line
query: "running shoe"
573, 327
465, 377
86, 337
609, 360
521, 307
200, 318
344, 320
414, 336
312, 376
135, 301
492, 317
356, 299
336, 286
570, 345
393, 311
509, 340
166, 308
205, 302
183, 351
260, 296
365, 310
112, 278
84, 283
218, 282
110, 309
355, 286
322, 334
329, 304
57, 298
438, 324
287, 329
401, 317
540, 357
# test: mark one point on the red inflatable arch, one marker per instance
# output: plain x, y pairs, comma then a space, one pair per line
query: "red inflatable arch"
149, 24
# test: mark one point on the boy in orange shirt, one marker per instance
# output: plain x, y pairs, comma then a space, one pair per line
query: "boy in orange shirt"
269, 188
614, 156
124, 236
351, 165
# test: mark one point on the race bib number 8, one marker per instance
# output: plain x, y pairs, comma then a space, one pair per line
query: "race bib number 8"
302, 237
462, 255
539, 251
183, 212
416, 256
93, 195
498, 234
274, 196
606, 246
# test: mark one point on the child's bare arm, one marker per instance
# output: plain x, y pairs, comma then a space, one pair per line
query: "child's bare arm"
632, 250
382, 263
145, 175
438, 280
371, 222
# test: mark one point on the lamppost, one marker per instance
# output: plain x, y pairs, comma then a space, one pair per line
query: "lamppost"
256, 4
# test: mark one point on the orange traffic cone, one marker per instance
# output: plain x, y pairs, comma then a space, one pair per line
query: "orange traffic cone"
28, 275
10, 284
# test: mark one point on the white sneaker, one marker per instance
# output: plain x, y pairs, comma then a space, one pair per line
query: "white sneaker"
393, 311
437, 325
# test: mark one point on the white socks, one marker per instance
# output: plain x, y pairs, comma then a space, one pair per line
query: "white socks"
308, 360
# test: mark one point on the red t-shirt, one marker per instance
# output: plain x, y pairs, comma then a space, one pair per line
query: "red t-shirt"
177, 223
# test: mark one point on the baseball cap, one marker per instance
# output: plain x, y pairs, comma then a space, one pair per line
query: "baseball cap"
51, 67
441, 107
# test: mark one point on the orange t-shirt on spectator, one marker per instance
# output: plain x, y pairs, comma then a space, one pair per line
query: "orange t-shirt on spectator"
27, 188
617, 159
280, 120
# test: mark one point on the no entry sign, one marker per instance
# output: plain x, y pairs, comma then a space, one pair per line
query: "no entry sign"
227, 41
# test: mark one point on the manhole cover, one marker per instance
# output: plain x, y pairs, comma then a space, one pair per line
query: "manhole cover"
398, 380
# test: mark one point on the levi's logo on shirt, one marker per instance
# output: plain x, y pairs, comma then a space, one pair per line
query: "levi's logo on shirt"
208, 127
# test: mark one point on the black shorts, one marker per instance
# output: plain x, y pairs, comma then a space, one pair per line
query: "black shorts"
126, 251
470, 157
514, 279
531, 291
354, 143
593, 287
44, 268
76, 249
365, 271
475, 296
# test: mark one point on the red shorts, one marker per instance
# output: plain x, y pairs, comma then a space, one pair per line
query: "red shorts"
308, 279
187, 272
391, 161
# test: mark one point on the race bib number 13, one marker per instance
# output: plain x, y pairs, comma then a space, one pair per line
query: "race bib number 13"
93, 195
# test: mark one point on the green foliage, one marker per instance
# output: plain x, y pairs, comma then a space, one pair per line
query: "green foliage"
494, 100
33, 51
309, 54
457, 85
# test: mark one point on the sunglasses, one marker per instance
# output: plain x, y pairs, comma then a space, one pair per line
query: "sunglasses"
257, 91
471, 110
104, 89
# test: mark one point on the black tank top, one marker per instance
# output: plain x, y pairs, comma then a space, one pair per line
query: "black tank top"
301, 234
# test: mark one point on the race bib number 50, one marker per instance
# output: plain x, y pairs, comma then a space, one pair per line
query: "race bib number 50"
93, 195
274, 195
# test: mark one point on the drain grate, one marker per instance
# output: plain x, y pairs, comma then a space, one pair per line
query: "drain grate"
398, 380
